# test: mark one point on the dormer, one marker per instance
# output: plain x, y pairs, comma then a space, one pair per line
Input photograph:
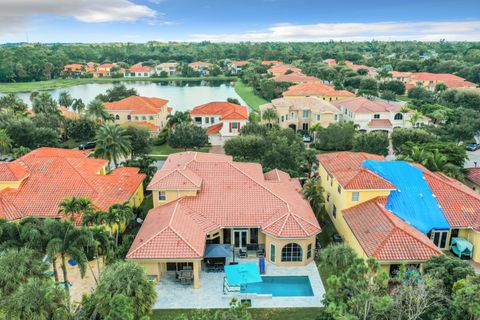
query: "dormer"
12, 174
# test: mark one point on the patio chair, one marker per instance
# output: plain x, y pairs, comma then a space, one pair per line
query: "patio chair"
260, 253
242, 253
186, 277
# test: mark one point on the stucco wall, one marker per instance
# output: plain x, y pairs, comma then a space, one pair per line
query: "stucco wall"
280, 243
171, 195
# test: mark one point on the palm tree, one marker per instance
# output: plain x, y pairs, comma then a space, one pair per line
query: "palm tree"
14, 104
5, 142
313, 193
52, 228
415, 116
417, 154
119, 215
96, 109
65, 99
437, 161
78, 105
44, 103
72, 206
177, 118
93, 218
113, 142
103, 245
270, 115
71, 242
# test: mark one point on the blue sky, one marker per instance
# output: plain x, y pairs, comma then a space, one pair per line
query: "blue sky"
241, 20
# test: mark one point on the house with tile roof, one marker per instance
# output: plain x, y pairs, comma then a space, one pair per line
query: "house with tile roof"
375, 114
169, 67
473, 175
394, 211
302, 112
140, 111
295, 77
235, 67
103, 70
271, 62
139, 71
203, 68
202, 198
74, 69
223, 120
35, 184
280, 69
430, 80
316, 89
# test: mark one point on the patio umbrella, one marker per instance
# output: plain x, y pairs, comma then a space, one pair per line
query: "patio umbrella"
242, 274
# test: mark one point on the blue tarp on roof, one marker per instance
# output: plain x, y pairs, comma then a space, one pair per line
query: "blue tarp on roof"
413, 201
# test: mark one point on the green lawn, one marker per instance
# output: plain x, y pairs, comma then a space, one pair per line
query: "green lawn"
403, 98
62, 83
246, 93
165, 150
258, 314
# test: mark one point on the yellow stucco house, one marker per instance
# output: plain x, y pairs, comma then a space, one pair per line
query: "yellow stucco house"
396, 212
35, 184
202, 199
150, 113
301, 113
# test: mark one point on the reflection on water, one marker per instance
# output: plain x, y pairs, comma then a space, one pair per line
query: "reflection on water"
183, 95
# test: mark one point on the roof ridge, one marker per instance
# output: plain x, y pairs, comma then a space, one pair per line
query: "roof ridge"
81, 176
174, 230
301, 226
453, 185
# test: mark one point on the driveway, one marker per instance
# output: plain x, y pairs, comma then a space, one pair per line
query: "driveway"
473, 157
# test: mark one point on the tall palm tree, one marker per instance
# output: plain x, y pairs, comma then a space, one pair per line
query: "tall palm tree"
72, 206
71, 243
53, 229
5, 142
44, 103
415, 116
313, 193
78, 105
93, 218
177, 118
113, 142
65, 99
270, 115
14, 104
96, 109
119, 215
103, 245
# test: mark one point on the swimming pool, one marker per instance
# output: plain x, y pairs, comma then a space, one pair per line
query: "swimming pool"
282, 286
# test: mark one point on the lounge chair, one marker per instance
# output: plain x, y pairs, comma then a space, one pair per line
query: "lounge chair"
242, 253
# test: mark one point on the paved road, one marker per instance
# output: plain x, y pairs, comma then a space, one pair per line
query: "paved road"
473, 156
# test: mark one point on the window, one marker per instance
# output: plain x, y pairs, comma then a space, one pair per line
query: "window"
207, 119
198, 120
292, 115
162, 196
151, 117
453, 234
272, 252
117, 117
254, 235
286, 117
439, 238
309, 251
336, 117
334, 211
212, 120
306, 113
339, 189
376, 116
283, 118
346, 111
292, 252
328, 197
318, 117
136, 118
145, 74
355, 196
305, 126
398, 116
129, 117
234, 125
144, 118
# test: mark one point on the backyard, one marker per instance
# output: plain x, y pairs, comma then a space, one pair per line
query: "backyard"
247, 94
165, 150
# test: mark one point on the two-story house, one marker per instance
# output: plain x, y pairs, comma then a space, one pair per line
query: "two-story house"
103, 70
301, 113
169, 67
203, 68
235, 67
316, 89
139, 70
394, 211
375, 115
141, 111
223, 120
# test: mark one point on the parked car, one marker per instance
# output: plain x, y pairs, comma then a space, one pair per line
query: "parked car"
473, 146
307, 138
87, 146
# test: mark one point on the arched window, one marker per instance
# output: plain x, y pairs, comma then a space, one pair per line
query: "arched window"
292, 252
129, 117
398, 116
117, 117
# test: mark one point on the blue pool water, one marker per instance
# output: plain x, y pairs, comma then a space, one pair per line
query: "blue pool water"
281, 286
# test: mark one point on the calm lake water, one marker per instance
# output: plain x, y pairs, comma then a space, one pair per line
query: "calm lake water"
182, 96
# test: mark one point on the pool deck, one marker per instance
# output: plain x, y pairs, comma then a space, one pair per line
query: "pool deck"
173, 295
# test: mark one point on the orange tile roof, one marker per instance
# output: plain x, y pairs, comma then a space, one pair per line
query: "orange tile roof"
59, 173
386, 237
68, 114
199, 64
137, 105
13, 171
140, 68
380, 123
107, 65
282, 68
316, 88
295, 78
346, 167
215, 129
145, 124
231, 194
364, 105
330, 62
239, 63
227, 110
473, 174
271, 62
400, 74
73, 67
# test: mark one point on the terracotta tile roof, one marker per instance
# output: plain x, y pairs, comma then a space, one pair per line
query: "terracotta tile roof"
473, 174
271, 62
167, 65
107, 65
215, 129
145, 124
316, 88
282, 68
59, 173
295, 77
137, 105
330, 62
68, 114
227, 110
386, 237
177, 178
231, 194
399, 74
239, 63
314, 104
380, 123
346, 167
199, 64
13, 171
140, 68
364, 105
73, 67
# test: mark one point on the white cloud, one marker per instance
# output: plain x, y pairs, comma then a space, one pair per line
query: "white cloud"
14, 14
426, 31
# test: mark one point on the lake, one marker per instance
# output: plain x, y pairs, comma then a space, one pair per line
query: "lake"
182, 95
